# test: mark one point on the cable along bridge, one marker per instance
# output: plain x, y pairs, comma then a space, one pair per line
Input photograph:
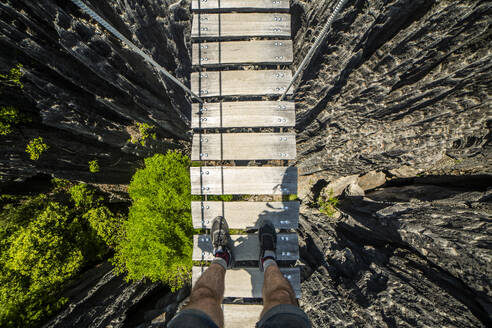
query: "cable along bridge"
230, 37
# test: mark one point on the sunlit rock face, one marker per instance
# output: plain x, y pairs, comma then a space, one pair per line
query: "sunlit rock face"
87, 91
396, 83
398, 89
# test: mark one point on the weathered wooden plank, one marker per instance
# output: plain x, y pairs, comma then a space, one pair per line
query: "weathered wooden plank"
245, 215
240, 83
243, 146
246, 247
237, 180
243, 114
248, 282
233, 25
241, 315
240, 5
242, 52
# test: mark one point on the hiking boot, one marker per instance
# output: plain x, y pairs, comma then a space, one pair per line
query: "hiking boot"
268, 242
221, 240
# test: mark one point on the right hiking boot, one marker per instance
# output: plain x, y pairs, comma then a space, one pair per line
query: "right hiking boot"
221, 240
268, 242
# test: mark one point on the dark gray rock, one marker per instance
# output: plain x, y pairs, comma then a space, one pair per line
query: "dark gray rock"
86, 91
407, 263
102, 299
395, 83
400, 87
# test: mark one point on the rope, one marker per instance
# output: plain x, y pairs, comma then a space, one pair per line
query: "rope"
315, 45
120, 36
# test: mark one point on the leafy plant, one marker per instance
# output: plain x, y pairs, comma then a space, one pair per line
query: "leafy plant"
9, 116
36, 147
157, 241
45, 241
12, 78
327, 205
106, 224
145, 132
83, 196
94, 166
289, 197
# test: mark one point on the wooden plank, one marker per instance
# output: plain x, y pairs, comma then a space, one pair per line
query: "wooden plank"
240, 5
248, 282
243, 114
237, 180
242, 52
243, 146
246, 247
241, 315
240, 83
245, 215
241, 25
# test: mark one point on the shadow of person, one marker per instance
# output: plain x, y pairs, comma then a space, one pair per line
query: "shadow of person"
285, 217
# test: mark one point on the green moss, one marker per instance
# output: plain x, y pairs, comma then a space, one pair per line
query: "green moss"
94, 166
12, 78
36, 147
327, 205
145, 132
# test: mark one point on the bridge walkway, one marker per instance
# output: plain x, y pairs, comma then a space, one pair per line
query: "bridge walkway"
241, 51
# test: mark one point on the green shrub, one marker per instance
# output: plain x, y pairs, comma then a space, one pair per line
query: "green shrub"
157, 242
83, 196
38, 260
290, 197
9, 116
94, 166
45, 241
106, 224
145, 131
36, 147
327, 205
12, 78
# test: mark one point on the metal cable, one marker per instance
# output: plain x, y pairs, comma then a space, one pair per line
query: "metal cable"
120, 36
315, 45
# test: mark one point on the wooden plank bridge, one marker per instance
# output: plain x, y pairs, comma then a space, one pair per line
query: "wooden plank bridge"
225, 40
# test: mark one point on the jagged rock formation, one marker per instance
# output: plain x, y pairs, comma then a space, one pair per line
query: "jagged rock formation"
100, 298
400, 88
86, 91
396, 83
420, 262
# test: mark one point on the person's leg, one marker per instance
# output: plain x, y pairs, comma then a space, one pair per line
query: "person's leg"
280, 307
208, 293
276, 289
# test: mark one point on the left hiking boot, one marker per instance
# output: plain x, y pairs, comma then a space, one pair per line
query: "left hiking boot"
221, 241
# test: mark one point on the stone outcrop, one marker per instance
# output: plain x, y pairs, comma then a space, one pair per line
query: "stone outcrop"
396, 83
86, 92
399, 89
423, 262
